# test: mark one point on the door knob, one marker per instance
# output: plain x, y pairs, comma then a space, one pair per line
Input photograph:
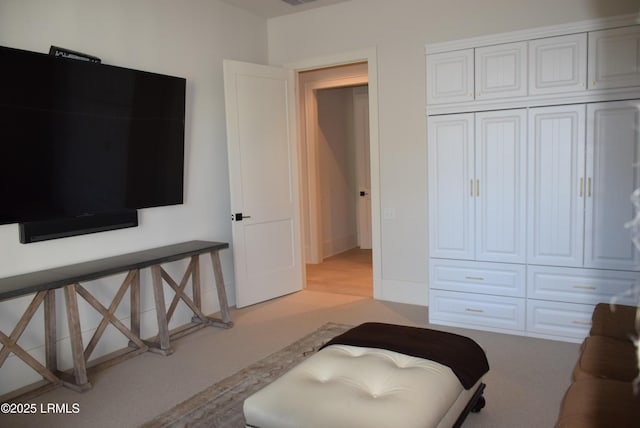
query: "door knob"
239, 216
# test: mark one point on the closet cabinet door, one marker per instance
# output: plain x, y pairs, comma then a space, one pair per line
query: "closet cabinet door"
451, 213
450, 77
614, 56
501, 71
558, 64
501, 185
556, 185
613, 156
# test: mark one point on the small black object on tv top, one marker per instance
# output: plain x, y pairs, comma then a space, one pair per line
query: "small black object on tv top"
80, 138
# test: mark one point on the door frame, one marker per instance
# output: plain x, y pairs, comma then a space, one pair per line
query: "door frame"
370, 57
308, 112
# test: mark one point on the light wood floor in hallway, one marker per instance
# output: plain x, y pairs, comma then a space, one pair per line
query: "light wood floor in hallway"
349, 273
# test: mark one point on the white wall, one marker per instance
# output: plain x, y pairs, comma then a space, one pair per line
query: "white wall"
399, 30
187, 38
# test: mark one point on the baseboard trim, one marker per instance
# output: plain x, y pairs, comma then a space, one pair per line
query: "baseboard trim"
412, 293
338, 245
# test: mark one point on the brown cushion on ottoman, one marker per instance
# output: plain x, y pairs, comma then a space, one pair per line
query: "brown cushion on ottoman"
618, 323
603, 403
604, 357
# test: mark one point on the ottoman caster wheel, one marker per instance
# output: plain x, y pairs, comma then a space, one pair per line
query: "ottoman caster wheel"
480, 403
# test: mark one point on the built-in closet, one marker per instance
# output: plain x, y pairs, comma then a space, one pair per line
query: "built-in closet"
534, 151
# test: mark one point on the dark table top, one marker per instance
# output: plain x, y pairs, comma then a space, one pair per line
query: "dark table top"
29, 283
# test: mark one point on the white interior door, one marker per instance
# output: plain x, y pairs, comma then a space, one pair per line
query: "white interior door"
263, 177
363, 170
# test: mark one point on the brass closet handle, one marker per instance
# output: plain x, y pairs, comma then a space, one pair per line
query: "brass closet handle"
581, 187
584, 287
471, 187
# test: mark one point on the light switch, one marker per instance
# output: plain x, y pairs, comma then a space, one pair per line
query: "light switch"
389, 213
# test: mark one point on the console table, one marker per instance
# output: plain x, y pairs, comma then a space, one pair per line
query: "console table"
44, 283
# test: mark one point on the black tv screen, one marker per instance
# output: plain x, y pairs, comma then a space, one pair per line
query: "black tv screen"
79, 138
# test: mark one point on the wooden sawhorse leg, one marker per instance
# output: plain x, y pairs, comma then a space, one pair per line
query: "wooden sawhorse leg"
134, 296
199, 317
80, 380
163, 346
51, 336
81, 354
10, 343
199, 320
222, 292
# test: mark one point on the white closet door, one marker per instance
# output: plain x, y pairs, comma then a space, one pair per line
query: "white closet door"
501, 71
613, 156
556, 185
451, 186
501, 170
558, 64
614, 56
450, 77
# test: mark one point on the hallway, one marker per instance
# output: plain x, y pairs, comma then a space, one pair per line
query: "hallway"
349, 273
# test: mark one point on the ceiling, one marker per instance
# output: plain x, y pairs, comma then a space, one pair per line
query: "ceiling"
274, 8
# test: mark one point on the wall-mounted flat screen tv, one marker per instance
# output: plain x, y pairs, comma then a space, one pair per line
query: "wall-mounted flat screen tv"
80, 138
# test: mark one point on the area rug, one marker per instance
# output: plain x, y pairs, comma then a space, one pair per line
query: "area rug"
220, 405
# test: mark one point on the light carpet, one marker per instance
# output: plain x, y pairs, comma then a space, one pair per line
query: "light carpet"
220, 405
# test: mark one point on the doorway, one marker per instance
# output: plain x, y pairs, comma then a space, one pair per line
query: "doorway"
336, 179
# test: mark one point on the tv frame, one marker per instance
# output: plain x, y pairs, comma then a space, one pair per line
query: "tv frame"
42, 230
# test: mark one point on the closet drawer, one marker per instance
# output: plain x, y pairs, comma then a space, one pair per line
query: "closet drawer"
559, 319
500, 279
476, 310
574, 285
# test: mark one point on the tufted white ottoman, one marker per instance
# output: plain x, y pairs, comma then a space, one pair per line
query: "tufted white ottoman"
347, 386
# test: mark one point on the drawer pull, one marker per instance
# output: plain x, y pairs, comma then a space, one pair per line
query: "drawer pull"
474, 310
581, 322
474, 278
585, 287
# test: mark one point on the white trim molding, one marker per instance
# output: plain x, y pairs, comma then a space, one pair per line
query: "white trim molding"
370, 56
533, 33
